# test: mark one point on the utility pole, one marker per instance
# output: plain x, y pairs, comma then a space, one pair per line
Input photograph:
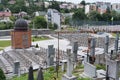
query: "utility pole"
57, 60
43, 5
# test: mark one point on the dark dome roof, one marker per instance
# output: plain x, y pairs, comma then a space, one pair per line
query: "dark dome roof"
21, 24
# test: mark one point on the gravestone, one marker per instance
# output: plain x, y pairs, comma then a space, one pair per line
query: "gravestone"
116, 45
106, 44
63, 65
100, 59
75, 49
50, 55
16, 69
68, 75
92, 47
40, 74
116, 42
113, 69
30, 73
117, 36
90, 70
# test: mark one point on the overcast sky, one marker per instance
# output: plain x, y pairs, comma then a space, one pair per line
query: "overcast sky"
78, 1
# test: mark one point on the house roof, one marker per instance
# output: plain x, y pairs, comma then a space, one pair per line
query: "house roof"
5, 14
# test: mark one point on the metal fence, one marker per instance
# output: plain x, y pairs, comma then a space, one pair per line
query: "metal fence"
92, 23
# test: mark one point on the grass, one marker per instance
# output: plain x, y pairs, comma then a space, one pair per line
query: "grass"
6, 43
113, 34
78, 70
98, 67
49, 74
23, 77
70, 29
84, 79
40, 38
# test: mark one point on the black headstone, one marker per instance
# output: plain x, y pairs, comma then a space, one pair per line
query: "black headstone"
40, 75
30, 74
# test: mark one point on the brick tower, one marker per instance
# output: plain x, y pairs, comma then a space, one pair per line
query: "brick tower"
21, 35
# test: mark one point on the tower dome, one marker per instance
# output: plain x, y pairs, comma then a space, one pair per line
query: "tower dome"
21, 24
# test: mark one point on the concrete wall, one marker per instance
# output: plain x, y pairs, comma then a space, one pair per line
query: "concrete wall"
34, 32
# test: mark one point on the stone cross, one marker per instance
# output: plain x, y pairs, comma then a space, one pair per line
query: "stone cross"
75, 49
50, 55
106, 44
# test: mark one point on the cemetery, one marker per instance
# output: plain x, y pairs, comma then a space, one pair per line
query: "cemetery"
61, 55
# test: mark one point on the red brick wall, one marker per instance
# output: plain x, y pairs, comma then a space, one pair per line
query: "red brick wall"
17, 39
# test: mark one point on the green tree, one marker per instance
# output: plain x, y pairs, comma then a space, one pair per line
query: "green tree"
108, 10
18, 6
4, 2
95, 16
13, 18
40, 22
55, 5
106, 17
2, 75
53, 26
115, 15
64, 10
67, 19
1, 7
33, 8
79, 15
43, 5
83, 3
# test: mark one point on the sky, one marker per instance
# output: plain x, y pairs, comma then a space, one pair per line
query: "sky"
91, 1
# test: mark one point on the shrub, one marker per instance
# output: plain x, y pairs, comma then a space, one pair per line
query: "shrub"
36, 46
2, 75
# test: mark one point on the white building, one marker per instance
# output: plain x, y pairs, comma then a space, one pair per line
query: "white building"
89, 8
79, 6
116, 7
53, 16
67, 6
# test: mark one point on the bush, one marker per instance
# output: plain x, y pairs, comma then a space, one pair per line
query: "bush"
36, 46
2, 75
